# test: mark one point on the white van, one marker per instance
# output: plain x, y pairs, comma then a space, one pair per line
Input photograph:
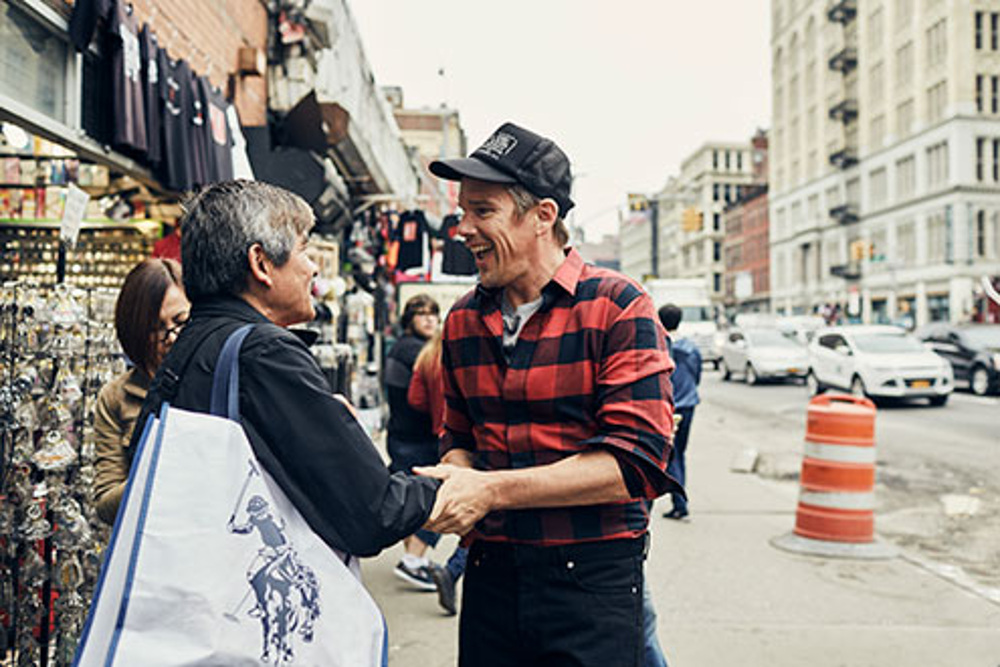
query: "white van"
698, 324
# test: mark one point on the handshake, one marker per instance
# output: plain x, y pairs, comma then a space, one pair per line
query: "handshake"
465, 496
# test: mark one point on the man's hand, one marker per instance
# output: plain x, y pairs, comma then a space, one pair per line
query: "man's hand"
465, 497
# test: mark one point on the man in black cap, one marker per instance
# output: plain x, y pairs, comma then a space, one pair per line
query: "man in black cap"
558, 422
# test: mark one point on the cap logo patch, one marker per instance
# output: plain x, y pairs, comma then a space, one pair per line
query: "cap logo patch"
499, 145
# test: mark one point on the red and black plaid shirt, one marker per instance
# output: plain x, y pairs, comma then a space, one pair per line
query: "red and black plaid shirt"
590, 370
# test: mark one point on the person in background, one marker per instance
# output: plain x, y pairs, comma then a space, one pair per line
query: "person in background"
426, 394
687, 375
169, 247
412, 440
149, 314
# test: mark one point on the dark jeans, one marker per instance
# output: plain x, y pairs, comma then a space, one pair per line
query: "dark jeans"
575, 605
677, 468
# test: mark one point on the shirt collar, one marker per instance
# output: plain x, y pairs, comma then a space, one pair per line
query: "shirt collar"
567, 276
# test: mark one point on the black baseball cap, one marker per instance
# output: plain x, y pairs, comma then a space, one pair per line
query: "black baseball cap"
511, 155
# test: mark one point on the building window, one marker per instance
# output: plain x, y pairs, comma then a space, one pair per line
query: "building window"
904, 118
727, 160
996, 160
904, 65
904, 13
980, 146
937, 307
937, 101
716, 221
936, 238
715, 187
980, 239
716, 251
979, 93
739, 160
979, 31
878, 184
937, 43
875, 29
906, 178
994, 32
876, 85
994, 92
906, 244
727, 194
937, 164
715, 159
33, 64
716, 282
877, 131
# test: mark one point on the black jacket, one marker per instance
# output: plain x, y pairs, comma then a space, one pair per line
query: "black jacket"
306, 439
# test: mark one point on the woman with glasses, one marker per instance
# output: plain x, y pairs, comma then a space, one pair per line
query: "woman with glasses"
150, 313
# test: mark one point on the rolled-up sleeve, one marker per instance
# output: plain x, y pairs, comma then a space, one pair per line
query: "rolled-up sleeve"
635, 402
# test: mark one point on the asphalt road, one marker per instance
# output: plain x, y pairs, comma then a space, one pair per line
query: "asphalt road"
938, 470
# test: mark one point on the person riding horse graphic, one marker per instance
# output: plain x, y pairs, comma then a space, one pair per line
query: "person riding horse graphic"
286, 590
275, 545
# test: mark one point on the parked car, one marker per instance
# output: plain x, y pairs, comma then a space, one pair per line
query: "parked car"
972, 349
763, 354
877, 362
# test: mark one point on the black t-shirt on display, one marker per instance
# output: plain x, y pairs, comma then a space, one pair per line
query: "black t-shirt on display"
457, 260
199, 134
411, 234
149, 55
84, 19
126, 78
175, 96
219, 137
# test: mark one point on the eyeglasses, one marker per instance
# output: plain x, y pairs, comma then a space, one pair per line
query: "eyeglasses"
166, 333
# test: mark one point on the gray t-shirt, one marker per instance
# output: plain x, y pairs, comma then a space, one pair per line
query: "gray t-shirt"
514, 319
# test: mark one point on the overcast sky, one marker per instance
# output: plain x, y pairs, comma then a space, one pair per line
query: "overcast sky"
628, 88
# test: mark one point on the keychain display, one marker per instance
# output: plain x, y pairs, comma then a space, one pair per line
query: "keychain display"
57, 349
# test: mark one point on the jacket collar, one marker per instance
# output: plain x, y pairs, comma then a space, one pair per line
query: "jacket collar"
234, 307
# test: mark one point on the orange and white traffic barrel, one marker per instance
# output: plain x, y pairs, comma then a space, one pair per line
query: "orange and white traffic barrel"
836, 509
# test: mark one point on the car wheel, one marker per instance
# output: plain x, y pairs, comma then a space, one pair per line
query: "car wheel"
813, 384
938, 401
726, 373
751, 375
979, 382
858, 387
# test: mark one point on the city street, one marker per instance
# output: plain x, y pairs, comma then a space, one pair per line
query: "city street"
725, 595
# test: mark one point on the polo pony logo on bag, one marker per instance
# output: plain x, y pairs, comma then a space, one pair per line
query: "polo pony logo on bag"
285, 589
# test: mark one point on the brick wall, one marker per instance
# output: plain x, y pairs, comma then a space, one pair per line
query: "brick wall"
208, 34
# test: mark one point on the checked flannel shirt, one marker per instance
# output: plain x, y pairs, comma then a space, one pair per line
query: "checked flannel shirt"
590, 370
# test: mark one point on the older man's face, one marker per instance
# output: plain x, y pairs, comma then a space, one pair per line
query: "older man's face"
503, 243
291, 294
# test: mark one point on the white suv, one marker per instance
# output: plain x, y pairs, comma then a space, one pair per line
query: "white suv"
878, 362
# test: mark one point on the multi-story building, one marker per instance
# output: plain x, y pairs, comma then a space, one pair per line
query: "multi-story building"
636, 238
746, 247
885, 141
689, 212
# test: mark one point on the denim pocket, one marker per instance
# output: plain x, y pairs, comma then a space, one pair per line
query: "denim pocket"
619, 576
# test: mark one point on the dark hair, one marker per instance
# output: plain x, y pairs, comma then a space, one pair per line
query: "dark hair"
224, 220
415, 303
137, 312
670, 316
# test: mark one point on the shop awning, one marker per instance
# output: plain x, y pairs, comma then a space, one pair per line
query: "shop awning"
302, 171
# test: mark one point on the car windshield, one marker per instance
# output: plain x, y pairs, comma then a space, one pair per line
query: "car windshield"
983, 336
696, 314
887, 342
770, 338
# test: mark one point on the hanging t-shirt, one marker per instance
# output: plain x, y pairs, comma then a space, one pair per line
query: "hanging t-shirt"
457, 260
84, 19
175, 96
241, 163
411, 234
148, 53
126, 78
219, 138
201, 169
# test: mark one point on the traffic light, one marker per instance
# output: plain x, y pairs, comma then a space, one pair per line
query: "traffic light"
691, 219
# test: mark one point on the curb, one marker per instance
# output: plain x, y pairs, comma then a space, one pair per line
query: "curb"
876, 550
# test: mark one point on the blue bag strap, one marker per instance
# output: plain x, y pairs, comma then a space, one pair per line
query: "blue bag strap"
226, 380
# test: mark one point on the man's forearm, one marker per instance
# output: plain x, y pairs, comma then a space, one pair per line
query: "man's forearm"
588, 478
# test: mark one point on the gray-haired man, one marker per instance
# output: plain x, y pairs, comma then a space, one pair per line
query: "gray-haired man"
245, 261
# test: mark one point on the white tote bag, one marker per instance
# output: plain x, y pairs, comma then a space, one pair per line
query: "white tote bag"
210, 564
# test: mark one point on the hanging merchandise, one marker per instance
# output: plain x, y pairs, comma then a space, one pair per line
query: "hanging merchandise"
57, 348
458, 260
126, 78
149, 53
411, 233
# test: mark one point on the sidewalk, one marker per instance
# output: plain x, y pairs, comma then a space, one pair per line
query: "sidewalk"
725, 596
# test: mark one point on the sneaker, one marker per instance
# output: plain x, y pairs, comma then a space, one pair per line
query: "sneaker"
419, 578
445, 588
676, 514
